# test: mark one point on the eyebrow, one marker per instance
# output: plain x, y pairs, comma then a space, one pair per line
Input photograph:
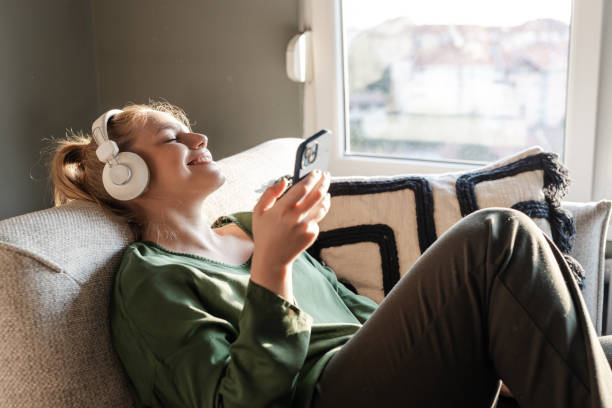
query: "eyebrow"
172, 126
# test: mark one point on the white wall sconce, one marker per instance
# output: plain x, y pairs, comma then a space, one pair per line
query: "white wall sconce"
299, 57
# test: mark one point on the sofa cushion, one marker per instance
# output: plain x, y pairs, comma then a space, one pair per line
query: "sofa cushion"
247, 175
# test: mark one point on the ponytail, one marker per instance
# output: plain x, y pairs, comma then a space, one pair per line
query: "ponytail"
68, 171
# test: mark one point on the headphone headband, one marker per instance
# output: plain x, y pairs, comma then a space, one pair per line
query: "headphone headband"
99, 129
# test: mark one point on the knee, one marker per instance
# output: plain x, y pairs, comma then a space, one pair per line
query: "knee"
497, 212
501, 230
494, 242
502, 221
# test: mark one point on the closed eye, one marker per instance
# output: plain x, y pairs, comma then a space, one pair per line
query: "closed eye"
170, 140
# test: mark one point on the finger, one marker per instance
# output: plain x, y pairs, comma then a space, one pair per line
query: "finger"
268, 198
303, 187
315, 195
319, 211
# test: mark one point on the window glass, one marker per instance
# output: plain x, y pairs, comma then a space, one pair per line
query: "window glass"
455, 81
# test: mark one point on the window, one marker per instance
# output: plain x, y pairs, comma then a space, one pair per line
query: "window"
445, 89
436, 81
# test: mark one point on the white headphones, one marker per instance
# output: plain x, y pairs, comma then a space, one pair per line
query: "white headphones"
126, 175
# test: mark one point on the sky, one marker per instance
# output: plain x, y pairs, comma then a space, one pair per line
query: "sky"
360, 14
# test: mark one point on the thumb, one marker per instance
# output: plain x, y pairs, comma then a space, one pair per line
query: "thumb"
268, 198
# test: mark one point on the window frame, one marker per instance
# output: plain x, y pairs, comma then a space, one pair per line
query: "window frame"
325, 100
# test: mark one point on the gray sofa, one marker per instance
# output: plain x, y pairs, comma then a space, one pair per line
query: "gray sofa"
57, 266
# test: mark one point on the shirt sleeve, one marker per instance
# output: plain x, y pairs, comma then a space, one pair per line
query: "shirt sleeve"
203, 360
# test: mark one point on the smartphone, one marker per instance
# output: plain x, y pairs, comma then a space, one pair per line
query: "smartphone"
313, 153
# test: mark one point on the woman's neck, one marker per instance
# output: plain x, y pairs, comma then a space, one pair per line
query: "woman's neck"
179, 227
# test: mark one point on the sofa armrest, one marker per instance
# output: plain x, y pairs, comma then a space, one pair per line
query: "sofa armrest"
606, 343
591, 221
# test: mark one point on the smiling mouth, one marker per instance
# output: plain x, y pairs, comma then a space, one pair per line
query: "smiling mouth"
200, 160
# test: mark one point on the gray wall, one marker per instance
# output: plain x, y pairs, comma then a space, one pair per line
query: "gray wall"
64, 61
223, 61
47, 83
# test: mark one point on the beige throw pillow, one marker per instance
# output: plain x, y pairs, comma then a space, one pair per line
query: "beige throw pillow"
378, 226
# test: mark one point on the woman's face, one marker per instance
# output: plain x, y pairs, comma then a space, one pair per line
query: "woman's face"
180, 165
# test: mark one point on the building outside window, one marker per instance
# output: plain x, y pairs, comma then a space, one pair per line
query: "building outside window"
432, 81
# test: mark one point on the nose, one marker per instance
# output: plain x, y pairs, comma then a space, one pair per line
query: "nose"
199, 141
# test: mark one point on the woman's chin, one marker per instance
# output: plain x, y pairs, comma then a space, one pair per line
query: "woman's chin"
211, 170
214, 184
221, 179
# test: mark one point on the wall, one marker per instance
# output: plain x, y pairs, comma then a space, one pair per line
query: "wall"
221, 61
603, 163
48, 84
67, 60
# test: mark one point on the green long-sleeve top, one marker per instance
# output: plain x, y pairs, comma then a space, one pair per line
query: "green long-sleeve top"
194, 332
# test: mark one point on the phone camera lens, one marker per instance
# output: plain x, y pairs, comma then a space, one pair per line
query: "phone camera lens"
310, 155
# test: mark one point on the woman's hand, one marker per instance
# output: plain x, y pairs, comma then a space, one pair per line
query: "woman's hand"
284, 227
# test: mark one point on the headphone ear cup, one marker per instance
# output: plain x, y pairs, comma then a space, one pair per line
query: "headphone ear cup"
137, 183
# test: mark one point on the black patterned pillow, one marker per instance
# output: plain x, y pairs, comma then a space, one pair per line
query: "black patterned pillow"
377, 227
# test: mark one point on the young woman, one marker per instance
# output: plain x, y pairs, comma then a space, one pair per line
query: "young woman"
240, 315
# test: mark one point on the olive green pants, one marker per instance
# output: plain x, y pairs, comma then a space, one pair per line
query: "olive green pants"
492, 298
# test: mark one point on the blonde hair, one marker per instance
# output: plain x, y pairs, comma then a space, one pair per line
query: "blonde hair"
76, 172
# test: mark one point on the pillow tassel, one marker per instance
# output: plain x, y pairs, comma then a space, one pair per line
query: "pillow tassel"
562, 227
577, 270
556, 178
